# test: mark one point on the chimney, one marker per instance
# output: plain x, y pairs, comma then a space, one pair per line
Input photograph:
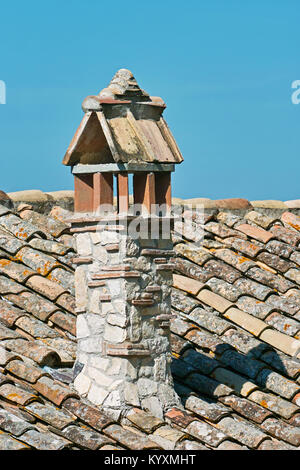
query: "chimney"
123, 277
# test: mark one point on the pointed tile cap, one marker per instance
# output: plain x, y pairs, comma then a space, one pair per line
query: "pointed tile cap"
124, 86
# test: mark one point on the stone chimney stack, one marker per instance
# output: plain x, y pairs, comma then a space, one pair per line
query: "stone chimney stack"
123, 277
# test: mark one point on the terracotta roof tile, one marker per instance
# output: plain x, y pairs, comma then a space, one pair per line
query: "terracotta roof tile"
259, 219
33, 303
65, 321
206, 433
63, 278
66, 301
20, 228
214, 300
53, 391
291, 219
42, 355
281, 341
197, 255
275, 261
243, 246
207, 408
255, 232
282, 431
269, 279
247, 408
235, 381
281, 323
85, 438
225, 289
16, 394
47, 224
185, 283
286, 235
237, 261
276, 383
211, 322
11, 423
44, 440
45, 287
35, 328
24, 371
246, 321
129, 439
205, 340
50, 414
16, 271
88, 414
39, 262
8, 443
208, 386
222, 270
251, 287
273, 403
243, 432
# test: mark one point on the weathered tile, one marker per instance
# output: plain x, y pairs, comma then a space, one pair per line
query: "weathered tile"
182, 302
237, 261
65, 349
49, 289
274, 444
24, 371
64, 278
21, 229
279, 248
245, 343
285, 304
286, 235
39, 262
167, 437
129, 439
47, 224
87, 414
255, 307
6, 333
35, 328
279, 361
235, 381
8, 286
250, 287
50, 414
16, 271
224, 289
40, 354
64, 321
33, 303
206, 433
214, 300
206, 408
207, 341
200, 361
16, 394
49, 246
282, 431
291, 219
280, 341
85, 438
197, 255
10, 243
8, 443
246, 408
143, 420
179, 417
243, 246
293, 275
186, 444
280, 322
178, 344
275, 262
221, 230
273, 403
221, 270
67, 302
247, 366
246, 321
259, 219
255, 232
269, 279
53, 391
186, 284
243, 432
11, 423
209, 321
208, 386
192, 270
44, 440
278, 384
6, 356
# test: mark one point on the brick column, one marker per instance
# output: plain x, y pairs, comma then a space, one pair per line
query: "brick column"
123, 289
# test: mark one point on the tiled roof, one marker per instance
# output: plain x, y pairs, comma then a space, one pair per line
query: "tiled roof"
235, 337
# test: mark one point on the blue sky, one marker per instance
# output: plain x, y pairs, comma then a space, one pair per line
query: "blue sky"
224, 68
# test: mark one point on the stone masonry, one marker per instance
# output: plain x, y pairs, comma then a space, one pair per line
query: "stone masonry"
123, 289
